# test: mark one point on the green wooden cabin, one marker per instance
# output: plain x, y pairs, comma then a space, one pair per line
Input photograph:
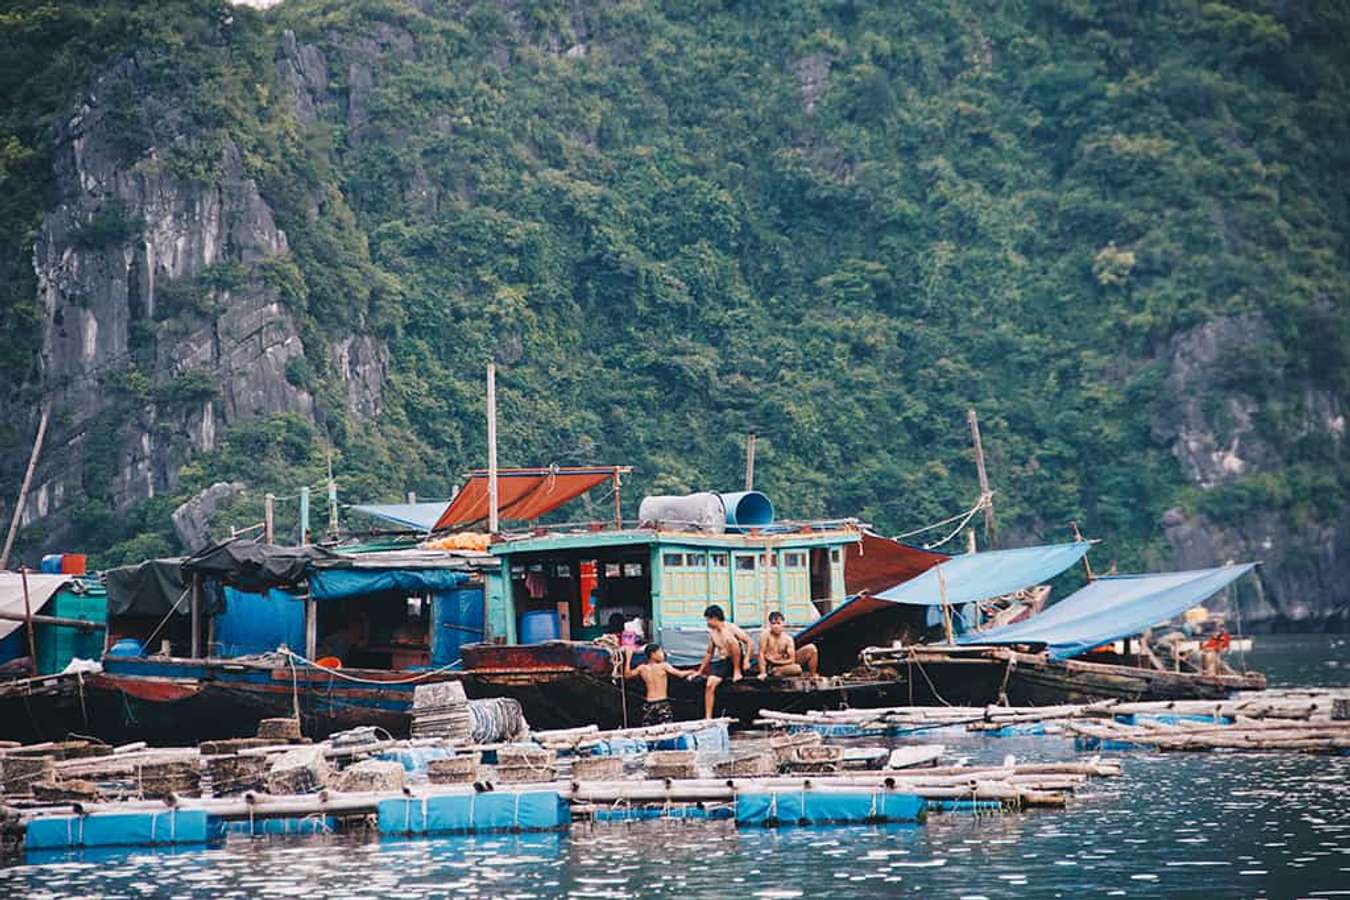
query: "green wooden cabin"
665, 578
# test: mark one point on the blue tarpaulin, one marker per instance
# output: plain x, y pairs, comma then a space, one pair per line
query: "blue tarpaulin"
972, 577
256, 623
1112, 607
420, 516
336, 583
456, 620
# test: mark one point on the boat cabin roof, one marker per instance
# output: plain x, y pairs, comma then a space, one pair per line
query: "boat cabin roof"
805, 535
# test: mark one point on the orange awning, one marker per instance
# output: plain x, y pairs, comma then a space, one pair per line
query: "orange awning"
522, 494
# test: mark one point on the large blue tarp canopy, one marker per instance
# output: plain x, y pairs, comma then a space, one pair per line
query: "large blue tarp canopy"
334, 584
1111, 607
419, 516
972, 577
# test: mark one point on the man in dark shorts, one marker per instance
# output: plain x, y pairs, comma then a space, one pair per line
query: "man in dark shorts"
655, 674
731, 645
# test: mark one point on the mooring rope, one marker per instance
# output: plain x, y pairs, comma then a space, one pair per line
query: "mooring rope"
964, 519
338, 673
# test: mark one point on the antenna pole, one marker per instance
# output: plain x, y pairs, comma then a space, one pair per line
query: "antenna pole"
492, 446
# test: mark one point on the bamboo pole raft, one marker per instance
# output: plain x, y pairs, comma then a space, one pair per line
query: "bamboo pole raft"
1314, 721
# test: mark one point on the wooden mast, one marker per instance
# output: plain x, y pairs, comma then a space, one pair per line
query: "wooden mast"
27, 483
990, 532
750, 462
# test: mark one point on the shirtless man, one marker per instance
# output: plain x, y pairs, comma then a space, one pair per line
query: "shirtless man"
731, 645
655, 674
778, 656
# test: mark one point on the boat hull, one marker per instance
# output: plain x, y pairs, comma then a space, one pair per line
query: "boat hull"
182, 701
982, 676
566, 685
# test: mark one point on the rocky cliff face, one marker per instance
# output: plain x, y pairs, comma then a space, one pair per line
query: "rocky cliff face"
1216, 431
163, 323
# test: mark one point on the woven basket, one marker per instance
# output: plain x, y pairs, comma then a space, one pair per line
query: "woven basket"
597, 768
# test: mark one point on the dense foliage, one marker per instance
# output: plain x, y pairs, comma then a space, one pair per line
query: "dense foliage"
838, 223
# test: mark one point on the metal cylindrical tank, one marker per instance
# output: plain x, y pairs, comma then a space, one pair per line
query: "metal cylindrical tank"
747, 509
701, 512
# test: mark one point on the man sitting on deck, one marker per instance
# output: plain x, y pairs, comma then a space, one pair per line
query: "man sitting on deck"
731, 645
780, 657
655, 674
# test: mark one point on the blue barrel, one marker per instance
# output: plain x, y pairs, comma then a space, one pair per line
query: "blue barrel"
538, 626
51, 564
747, 509
127, 647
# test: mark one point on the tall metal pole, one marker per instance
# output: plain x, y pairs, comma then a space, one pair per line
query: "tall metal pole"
492, 446
990, 532
269, 517
304, 516
750, 462
27, 483
618, 503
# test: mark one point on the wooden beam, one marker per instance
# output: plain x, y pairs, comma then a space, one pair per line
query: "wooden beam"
269, 517
82, 624
618, 504
196, 642
27, 483
750, 462
28, 617
311, 627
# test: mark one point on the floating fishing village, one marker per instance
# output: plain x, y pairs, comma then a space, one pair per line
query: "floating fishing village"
461, 674
623, 449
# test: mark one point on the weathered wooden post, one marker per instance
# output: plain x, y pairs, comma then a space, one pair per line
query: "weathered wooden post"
750, 462
27, 483
28, 618
989, 528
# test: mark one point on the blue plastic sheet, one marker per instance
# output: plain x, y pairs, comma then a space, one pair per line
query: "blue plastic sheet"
1113, 606
414, 759
973, 577
772, 808
257, 623
421, 516
334, 584
474, 812
132, 829
456, 620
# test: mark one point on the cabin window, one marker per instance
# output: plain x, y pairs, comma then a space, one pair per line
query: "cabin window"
518, 572
793, 560
612, 570
834, 555
562, 570
718, 560
632, 570
745, 563
672, 560
694, 559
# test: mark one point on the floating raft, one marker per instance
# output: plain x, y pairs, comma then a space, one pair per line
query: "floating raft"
1313, 721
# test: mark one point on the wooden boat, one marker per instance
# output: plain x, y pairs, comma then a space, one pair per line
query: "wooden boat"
980, 675
660, 578
562, 684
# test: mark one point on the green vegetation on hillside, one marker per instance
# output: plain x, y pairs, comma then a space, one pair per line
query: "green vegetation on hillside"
837, 223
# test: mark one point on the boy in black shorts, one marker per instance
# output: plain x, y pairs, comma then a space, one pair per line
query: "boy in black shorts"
655, 674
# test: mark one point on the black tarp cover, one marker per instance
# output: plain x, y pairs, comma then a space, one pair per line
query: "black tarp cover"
150, 588
254, 567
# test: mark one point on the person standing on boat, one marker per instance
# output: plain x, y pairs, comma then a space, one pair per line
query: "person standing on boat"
729, 643
780, 657
655, 674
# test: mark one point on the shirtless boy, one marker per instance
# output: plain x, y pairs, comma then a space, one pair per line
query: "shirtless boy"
780, 657
655, 674
731, 645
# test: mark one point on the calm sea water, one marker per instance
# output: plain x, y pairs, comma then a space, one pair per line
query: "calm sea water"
1217, 825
